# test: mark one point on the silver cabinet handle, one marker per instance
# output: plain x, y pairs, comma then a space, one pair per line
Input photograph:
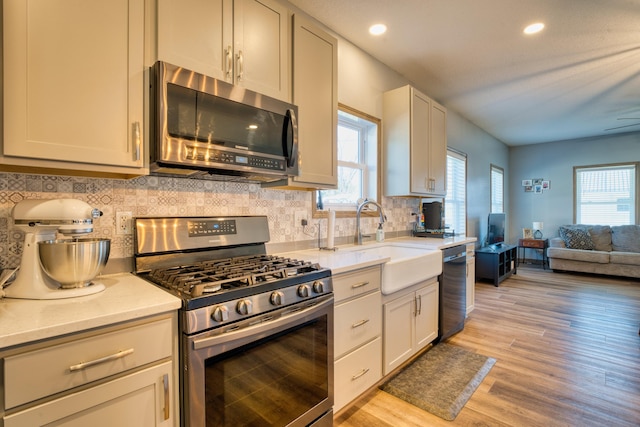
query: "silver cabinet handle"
240, 65
360, 323
229, 64
137, 139
83, 365
359, 374
359, 285
419, 305
167, 401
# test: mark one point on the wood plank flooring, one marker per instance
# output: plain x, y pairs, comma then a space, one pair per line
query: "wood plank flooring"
567, 350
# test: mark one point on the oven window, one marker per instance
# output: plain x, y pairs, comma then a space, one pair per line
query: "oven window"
269, 382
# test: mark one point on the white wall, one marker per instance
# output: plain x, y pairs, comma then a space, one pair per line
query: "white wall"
555, 161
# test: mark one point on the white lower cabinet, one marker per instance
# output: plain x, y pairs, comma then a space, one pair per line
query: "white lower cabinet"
357, 333
410, 322
119, 376
471, 277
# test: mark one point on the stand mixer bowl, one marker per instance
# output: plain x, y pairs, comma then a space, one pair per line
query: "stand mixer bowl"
73, 263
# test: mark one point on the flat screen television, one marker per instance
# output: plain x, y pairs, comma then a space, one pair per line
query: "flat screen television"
495, 230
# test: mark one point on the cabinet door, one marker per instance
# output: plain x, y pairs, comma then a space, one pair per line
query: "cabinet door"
471, 283
427, 315
399, 331
197, 35
74, 81
261, 47
438, 149
420, 112
142, 399
315, 92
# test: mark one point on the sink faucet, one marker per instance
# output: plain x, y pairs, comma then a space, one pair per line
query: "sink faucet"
383, 218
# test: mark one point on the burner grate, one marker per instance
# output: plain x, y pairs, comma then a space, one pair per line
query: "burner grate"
216, 276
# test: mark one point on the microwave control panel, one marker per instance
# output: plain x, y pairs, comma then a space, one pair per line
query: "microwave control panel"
208, 155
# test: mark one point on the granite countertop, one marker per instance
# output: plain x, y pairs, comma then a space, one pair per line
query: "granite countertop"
350, 257
126, 297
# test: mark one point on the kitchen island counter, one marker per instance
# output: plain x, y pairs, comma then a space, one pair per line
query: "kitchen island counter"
125, 298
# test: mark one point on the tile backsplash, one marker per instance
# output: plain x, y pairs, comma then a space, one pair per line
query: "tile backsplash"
164, 196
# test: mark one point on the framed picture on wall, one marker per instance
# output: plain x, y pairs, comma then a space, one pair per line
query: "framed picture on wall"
537, 188
546, 185
528, 189
527, 233
526, 183
537, 181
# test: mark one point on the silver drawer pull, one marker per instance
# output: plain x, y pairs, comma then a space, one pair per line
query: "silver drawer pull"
359, 374
360, 323
359, 285
83, 365
167, 400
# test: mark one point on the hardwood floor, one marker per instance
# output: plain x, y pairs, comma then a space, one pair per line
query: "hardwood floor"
567, 350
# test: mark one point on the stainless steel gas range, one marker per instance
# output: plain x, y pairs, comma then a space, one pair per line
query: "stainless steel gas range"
256, 329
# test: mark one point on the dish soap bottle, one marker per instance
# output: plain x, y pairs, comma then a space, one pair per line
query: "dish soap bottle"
380, 233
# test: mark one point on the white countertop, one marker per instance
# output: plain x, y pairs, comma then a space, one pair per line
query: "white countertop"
348, 258
126, 297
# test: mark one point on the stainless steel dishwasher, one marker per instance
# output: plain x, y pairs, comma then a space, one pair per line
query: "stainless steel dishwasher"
453, 293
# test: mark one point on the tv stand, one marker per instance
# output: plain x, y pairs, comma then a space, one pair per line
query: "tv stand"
496, 262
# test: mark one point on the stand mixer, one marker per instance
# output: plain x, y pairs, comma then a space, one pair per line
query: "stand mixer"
41, 220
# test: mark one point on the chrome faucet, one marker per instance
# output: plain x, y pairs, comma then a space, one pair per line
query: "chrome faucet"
383, 218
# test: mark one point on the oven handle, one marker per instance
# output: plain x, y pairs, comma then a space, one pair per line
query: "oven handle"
265, 326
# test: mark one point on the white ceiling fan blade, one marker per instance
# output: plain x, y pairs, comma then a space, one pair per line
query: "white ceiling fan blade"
625, 126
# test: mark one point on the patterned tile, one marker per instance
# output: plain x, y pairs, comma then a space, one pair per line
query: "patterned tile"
165, 196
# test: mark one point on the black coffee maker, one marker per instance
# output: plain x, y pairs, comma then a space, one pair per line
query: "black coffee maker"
433, 215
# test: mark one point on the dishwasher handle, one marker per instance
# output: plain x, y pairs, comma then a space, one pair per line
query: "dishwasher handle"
454, 257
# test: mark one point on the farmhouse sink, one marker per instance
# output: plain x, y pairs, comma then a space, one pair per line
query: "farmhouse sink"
407, 266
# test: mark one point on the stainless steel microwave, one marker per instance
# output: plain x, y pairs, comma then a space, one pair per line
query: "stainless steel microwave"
203, 126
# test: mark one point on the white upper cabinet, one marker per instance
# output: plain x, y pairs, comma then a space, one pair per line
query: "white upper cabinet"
243, 42
415, 144
315, 92
73, 76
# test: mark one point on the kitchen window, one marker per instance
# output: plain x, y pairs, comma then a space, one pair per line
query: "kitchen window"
358, 141
606, 194
455, 201
497, 189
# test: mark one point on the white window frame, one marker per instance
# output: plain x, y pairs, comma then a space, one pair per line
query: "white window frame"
599, 200
497, 189
370, 134
456, 199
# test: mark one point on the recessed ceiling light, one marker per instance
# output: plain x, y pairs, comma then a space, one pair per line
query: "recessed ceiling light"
534, 28
377, 29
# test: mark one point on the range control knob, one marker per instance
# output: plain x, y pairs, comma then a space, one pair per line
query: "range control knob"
318, 287
220, 313
303, 291
277, 298
244, 307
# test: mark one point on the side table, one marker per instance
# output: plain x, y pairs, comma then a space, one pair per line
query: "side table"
541, 244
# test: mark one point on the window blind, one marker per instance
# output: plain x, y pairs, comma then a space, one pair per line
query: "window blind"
497, 189
455, 211
606, 194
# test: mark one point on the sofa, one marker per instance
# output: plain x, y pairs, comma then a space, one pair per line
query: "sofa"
598, 249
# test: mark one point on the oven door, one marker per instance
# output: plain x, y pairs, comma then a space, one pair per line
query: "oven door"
273, 369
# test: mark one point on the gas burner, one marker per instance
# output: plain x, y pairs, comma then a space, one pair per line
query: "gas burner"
218, 276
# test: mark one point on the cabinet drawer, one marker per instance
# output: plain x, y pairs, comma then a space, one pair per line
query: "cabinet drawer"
39, 373
356, 372
537, 244
353, 284
357, 322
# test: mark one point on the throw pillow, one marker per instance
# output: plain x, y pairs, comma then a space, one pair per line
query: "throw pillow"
626, 238
576, 238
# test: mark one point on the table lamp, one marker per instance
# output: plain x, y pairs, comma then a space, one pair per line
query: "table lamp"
537, 226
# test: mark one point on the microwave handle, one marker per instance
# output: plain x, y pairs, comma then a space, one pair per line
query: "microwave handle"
292, 156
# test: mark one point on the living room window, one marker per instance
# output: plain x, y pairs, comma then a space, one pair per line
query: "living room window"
455, 202
497, 189
358, 140
606, 194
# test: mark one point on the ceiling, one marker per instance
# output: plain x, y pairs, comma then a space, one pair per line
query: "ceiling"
578, 78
